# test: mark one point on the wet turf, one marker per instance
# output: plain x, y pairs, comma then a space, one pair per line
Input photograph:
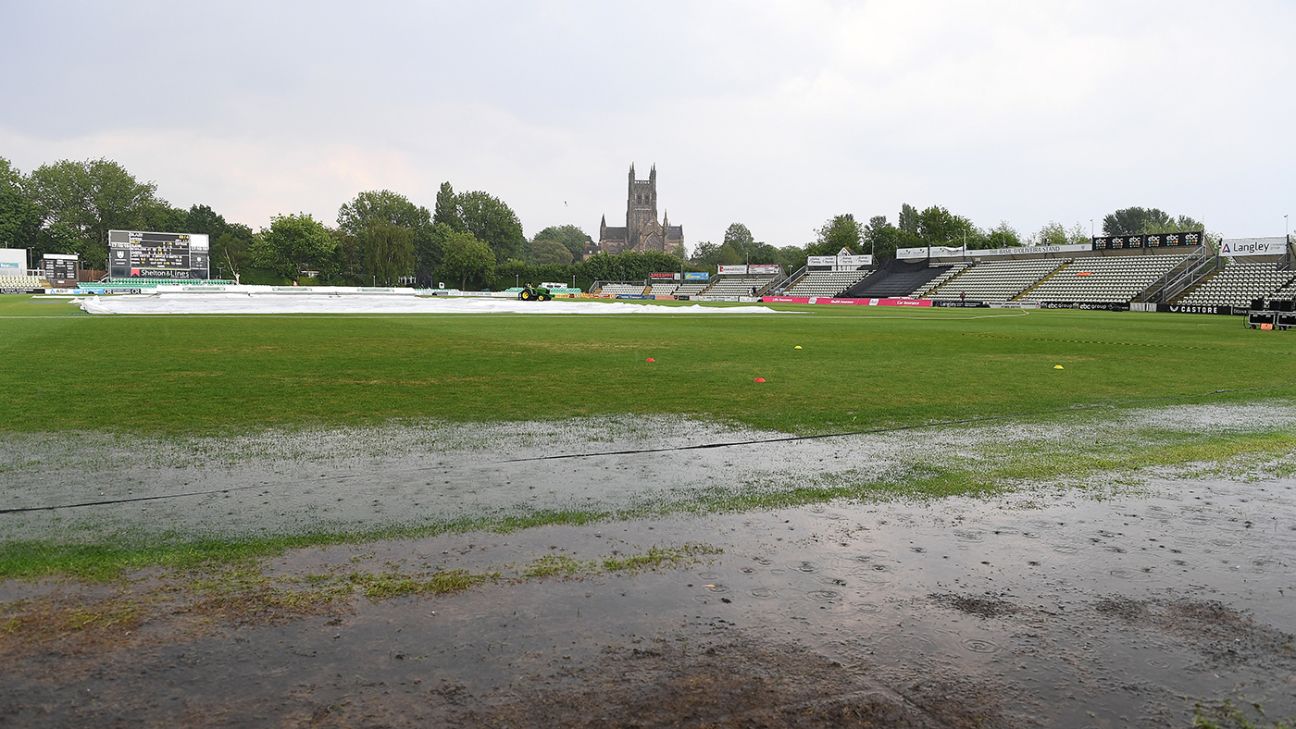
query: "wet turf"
858, 368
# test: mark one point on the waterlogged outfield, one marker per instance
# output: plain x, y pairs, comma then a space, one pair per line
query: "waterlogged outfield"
859, 368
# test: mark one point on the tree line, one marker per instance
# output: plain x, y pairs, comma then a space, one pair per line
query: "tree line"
468, 239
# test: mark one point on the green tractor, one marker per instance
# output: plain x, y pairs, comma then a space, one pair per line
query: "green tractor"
534, 293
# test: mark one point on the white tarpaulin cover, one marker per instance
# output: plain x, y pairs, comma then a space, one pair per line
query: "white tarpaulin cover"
244, 303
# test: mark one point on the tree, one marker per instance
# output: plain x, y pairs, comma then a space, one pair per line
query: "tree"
1003, 236
939, 227
549, 251
1136, 220
1054, 234
740, 237
292, 244
202, 219
492, 222
882, 240
446, 211
79, 202
841, 231
465, 257
387, 251
231, 251
385, 206
569, 236
705, 253
20, 218
908, 221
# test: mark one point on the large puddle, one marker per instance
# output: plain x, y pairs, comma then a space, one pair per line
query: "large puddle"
1044, 608
88, 487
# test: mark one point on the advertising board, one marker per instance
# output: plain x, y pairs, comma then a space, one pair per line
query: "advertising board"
663, 276
839, 262
149, 254
829, 300
1086, 305
697, 276
13, 261
1151, 240
755, 269
1233, 247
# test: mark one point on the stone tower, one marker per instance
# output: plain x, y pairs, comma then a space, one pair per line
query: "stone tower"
643, 231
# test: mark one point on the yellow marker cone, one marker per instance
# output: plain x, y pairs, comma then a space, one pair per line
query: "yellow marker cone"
797, 347
1058, 367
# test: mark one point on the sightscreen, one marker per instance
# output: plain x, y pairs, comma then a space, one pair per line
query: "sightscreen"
148, 254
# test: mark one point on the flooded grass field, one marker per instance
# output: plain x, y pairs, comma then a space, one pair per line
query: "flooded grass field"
1044, 607
998, 574
348, 521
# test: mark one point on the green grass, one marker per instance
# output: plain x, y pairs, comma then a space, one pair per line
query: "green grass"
859, 368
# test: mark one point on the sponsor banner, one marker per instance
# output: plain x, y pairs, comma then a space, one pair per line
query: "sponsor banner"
718, 298
13, 261
1152, 240
949, 252
1013, 305
682, 297
697, 276
1086, 305
1200, 309
755, 269
663, 297
635, 296
22, 291
1232, 247
840, 262
661, 276
845, 302
961, 304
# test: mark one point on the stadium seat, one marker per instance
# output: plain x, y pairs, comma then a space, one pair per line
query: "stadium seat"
1238, 283
825, 283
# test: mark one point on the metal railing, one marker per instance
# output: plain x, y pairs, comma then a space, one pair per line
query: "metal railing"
790, 281
1196, 266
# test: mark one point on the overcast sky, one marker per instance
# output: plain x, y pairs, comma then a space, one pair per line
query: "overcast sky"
775, 114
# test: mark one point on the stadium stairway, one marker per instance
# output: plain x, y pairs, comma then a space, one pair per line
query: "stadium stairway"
895, 278
951, 273
1040, 282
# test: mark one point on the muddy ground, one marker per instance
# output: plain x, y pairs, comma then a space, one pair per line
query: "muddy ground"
1042, 608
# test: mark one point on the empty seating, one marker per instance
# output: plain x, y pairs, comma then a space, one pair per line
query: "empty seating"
997, 280
1109, 279
825, 283
664, 289
623, 288
692, 288
738, 285
945, 275
1238, 283
22, 282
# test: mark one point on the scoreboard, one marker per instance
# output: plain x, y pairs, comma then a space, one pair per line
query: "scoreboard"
147, 254
1151, 240
59, 269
